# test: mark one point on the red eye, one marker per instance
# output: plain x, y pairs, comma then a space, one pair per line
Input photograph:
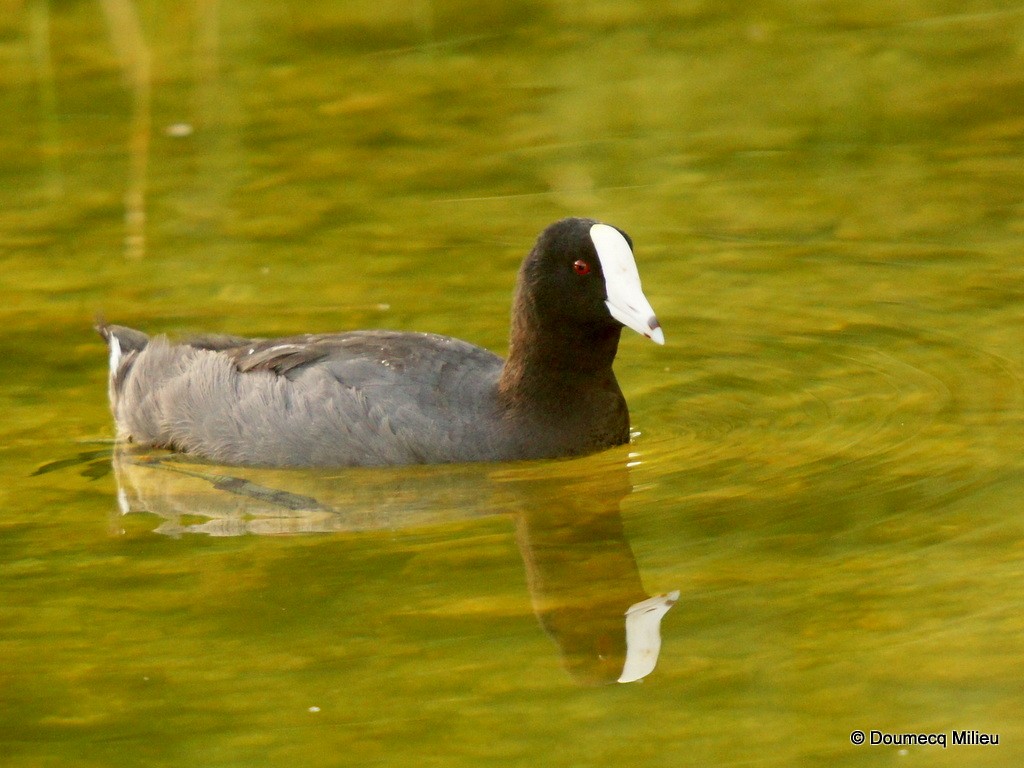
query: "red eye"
581, 267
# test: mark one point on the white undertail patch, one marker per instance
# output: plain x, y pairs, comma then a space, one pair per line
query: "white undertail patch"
115, 355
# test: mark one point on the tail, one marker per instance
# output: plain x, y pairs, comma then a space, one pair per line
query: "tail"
125, 344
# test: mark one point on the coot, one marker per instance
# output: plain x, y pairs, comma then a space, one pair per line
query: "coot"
386, 397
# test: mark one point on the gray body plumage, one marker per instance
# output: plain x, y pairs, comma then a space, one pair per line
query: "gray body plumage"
360, 398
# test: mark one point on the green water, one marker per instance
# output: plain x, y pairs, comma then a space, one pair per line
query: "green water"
826, 203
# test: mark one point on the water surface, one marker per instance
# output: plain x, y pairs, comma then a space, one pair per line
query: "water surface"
827, 463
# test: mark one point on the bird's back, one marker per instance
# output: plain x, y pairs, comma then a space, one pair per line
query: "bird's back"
360, 398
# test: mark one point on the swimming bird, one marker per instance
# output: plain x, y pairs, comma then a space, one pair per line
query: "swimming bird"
378, 397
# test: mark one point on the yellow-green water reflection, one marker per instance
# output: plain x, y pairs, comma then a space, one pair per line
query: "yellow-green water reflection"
826, 204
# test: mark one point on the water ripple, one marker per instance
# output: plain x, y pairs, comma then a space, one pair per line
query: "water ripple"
859, 406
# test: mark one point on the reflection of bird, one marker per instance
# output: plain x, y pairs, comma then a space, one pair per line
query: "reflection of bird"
584, 581
384, 397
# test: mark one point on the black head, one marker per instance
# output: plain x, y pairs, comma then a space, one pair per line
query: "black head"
581, 274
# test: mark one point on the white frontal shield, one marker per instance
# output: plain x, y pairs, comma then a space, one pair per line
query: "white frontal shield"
626, 301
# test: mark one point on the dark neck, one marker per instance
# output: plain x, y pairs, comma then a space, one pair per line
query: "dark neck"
548, 360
